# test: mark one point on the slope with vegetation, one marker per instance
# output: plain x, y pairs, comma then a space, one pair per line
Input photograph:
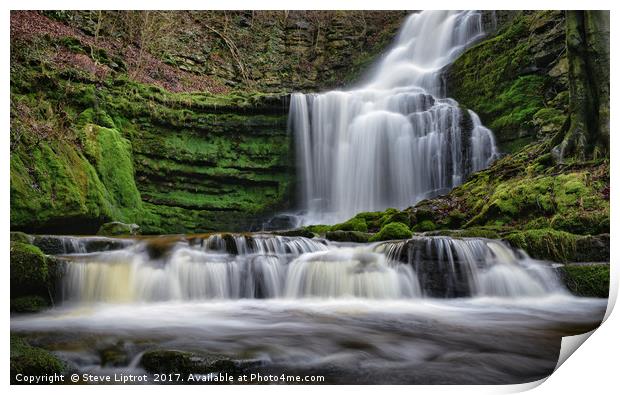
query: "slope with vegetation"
175, 121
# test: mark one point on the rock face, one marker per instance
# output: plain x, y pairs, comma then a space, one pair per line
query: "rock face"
590, 280
104, 130
266, 51
118, 228
516, 80
186, 363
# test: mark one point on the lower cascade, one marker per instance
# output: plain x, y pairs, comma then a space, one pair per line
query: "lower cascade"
265, 266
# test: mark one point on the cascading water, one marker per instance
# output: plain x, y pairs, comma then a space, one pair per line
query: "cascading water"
397, 139
412, 311
264, 266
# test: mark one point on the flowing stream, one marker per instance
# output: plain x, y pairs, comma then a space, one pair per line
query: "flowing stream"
424, 310
397, 138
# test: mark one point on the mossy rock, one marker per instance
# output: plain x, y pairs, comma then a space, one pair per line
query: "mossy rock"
32, 361
425, 226
393, 231
174, 361
478, 232
348, 236
354, 224
399, 216
21, 237
114, 355
549, 244
587, 280
319, 229
29, 304
118, 229
29, 271
485, 233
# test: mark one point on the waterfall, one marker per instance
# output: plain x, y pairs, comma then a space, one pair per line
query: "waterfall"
396, 139
450, 267
263, 266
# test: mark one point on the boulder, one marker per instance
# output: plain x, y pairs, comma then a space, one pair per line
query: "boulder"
348, 236
174, 361
32, 361
118, 228
591, 280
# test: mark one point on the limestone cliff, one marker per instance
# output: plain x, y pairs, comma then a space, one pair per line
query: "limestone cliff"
173, 120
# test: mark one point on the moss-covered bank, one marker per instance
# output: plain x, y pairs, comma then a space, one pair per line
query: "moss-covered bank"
587, 280
172, 131
33, 278
27, 360
87, 150
517, 79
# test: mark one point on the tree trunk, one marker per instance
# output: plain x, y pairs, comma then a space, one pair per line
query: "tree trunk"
587, 43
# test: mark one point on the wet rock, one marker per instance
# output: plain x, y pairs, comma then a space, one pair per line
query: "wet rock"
29, 271
59, 245
29, 304
300, 232
281, 221
592, 249
32, 361
114, 355
591, 280
118, 229
21, 237
51, 245
348, 236
392, 231
174, 361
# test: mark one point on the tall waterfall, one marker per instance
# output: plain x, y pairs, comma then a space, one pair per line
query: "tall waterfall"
396, 139
262, 266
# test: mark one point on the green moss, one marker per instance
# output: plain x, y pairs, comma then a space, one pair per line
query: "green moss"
117, 229
21, 237
570, 202
548, 244
480, 232
497, 79
397, 216
354, 224
348, 236
53, 180
319, 229
117, 175
587, 280
392, 231
187, 153
32, 361
29, 304
424, 226
29, 270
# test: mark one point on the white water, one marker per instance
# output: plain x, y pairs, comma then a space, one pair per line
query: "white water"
426, 310
264, 266
431, 341
396, 139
